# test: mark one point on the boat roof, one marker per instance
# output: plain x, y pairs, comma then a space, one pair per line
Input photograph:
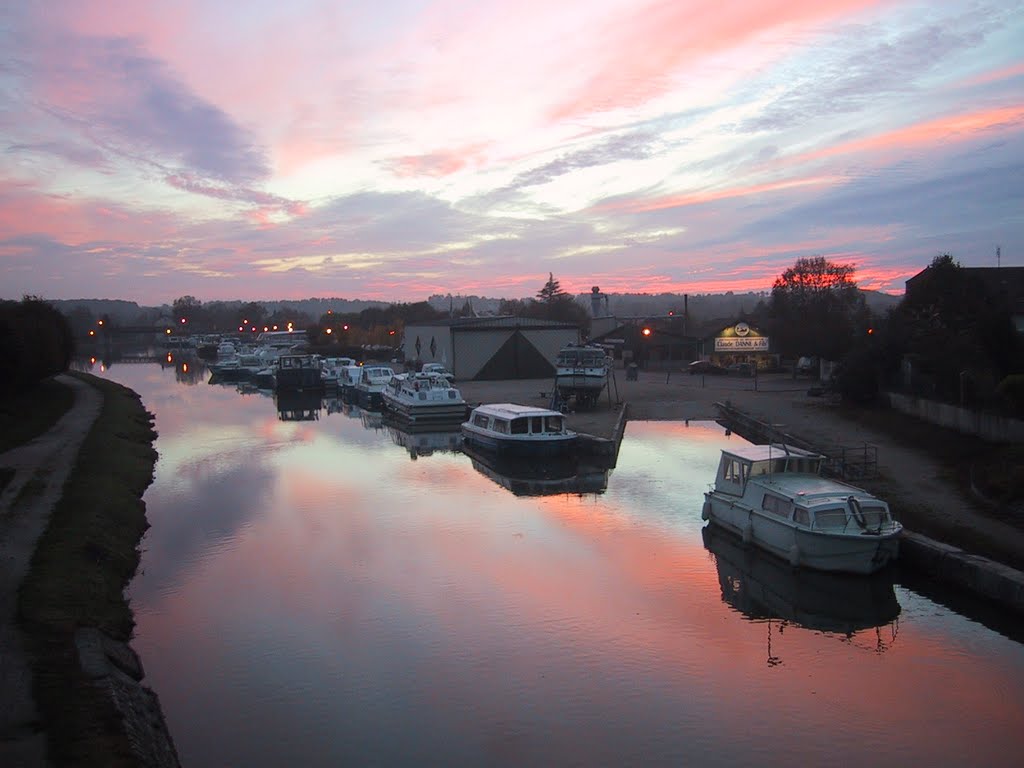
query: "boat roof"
772, 451
811, 490
511, 410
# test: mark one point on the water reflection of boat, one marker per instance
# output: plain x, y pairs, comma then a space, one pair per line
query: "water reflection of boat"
371, 419
424, 440
298, 405
763, 587
547, 476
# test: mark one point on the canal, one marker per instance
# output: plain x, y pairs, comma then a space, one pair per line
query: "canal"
333, 592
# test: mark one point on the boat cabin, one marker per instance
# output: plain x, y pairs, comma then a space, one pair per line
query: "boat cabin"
574, 356
738, 466
298, 372
517, 420
375, 375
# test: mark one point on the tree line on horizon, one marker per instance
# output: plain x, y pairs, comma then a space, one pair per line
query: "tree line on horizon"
954, 335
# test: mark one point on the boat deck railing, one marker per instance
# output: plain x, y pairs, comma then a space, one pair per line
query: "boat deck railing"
844, 462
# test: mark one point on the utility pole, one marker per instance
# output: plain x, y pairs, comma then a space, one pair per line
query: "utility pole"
998, 254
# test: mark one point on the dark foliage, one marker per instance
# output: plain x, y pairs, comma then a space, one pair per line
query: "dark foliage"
35, 343
957, 338
816, 309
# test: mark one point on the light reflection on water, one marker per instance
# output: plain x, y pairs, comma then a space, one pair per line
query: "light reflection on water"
319, 593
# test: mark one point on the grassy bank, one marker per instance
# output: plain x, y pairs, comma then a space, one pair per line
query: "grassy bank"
78, 574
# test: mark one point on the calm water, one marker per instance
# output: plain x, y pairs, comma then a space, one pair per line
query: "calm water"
315, 593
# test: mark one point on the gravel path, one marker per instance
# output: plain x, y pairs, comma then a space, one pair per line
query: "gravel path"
43, 465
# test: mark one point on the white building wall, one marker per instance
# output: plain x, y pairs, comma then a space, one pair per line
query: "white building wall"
435, 343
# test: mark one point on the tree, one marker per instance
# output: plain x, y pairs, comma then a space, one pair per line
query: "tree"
816, 308
35, 342
252, 314
959, 334
551, 292
189, 313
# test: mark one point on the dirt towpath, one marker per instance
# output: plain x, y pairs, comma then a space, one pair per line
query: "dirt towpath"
41, 468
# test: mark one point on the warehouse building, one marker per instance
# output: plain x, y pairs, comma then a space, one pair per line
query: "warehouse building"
490, 348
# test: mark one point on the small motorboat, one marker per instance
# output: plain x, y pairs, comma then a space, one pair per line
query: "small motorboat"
775, 497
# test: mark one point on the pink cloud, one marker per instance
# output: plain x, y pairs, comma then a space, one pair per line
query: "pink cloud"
640, 49
942, 130
707, 196
436, 164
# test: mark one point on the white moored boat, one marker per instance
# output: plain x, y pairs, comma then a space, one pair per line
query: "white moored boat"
423, 397
331, 369
775, 497
518, 430
581, 372
371, 383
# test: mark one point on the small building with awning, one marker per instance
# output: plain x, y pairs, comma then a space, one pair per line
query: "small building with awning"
489, 348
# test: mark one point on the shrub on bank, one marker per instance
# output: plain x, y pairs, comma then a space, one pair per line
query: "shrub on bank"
35, 343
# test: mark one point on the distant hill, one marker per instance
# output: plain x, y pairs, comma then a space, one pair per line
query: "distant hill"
702, 307
123, 312
879, 302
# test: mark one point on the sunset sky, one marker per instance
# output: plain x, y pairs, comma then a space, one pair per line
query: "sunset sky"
396, 149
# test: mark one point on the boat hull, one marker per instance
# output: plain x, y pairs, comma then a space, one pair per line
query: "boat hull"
593, 382
369, 398
859, 553
507, 446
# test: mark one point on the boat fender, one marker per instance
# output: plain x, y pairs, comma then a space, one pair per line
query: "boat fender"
794, 555
748, 533
705, 514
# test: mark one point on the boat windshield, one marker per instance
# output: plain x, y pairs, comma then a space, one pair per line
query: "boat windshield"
768, 467
806, 465
830, 518
874, 516
580, 358
552, 423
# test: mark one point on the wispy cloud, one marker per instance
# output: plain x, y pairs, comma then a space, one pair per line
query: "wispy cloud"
400, 148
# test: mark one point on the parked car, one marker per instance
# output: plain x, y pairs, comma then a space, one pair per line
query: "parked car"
438, 369
806, 366
705, 366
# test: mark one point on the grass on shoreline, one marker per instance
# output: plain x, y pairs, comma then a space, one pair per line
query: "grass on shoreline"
83, 562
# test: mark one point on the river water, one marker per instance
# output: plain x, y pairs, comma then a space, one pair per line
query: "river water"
318, 593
